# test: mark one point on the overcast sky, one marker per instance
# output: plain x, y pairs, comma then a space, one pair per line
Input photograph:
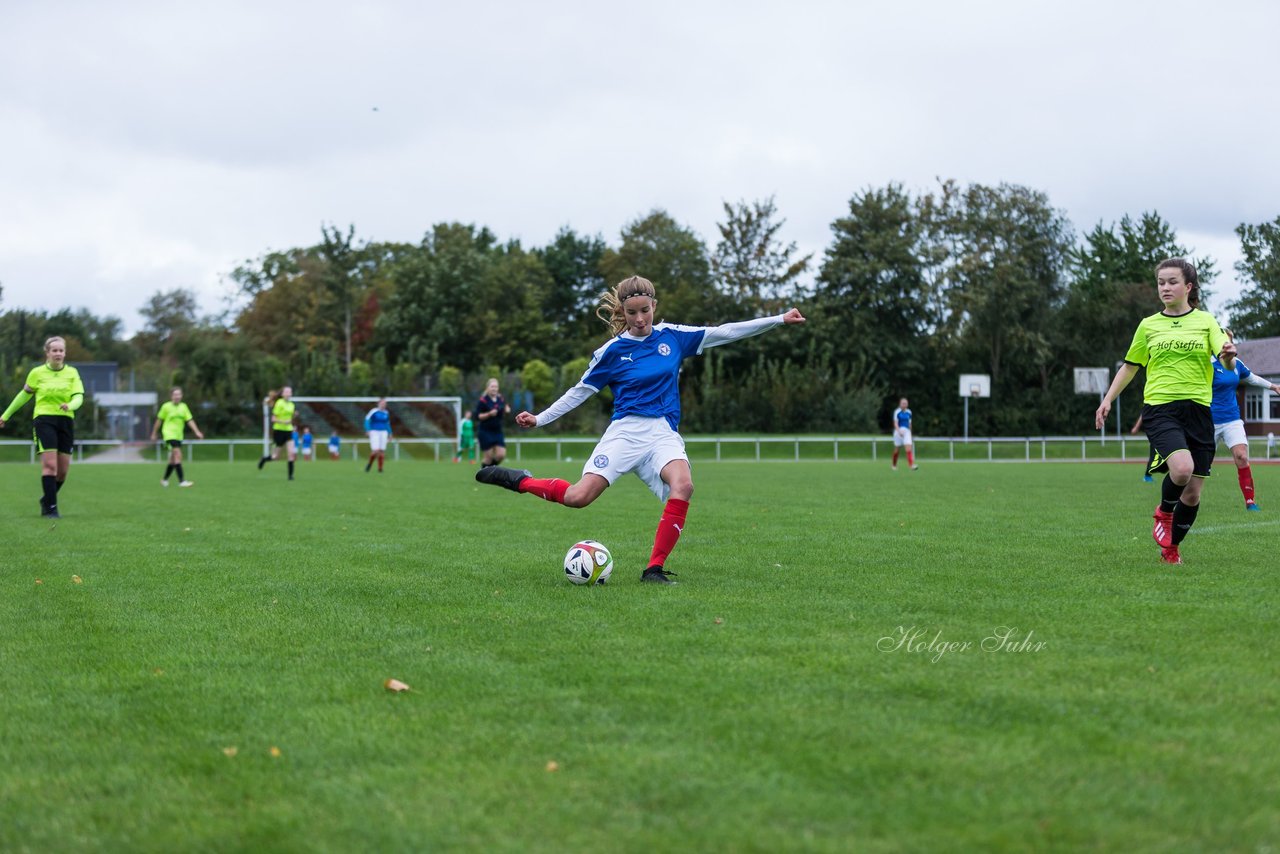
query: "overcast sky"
151, 146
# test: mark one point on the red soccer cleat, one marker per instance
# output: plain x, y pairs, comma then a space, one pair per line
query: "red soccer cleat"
1162, 530
1169, 554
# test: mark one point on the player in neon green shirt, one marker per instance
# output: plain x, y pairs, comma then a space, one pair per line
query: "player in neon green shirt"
171, 422
59, 392
282, 419
1176, 347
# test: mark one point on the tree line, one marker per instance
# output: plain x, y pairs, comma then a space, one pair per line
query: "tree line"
913, 289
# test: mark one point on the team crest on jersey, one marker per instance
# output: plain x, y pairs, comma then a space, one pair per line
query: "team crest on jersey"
600, 461
664, 350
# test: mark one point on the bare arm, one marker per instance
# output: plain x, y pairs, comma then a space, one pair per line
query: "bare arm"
1124, 376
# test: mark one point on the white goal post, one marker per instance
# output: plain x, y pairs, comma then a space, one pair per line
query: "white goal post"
416, 417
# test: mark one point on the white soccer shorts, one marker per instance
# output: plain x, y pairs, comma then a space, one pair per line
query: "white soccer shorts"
901, 437
640, 445
1230, 434
378, 440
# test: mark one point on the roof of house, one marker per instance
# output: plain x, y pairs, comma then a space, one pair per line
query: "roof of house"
1262, 355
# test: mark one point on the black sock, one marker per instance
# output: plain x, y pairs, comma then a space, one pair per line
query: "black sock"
1184, 515
59, 488
1170, 492
181, 477
168, 471
262, 462
50, 484
290, 469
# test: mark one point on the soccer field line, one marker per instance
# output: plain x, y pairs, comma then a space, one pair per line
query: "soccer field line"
1237, 526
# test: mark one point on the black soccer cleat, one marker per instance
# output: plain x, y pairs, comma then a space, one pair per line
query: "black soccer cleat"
504, 477
658, 575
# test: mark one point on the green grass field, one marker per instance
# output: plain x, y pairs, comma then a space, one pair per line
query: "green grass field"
768, 702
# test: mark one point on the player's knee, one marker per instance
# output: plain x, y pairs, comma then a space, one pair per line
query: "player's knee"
1241, 457
682, 489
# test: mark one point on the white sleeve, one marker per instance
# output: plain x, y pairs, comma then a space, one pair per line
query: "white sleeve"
569, 401
1260, 382
726, 332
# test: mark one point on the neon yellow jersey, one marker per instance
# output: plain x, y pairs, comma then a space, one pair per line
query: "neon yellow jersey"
282, 415
173, 420
54, 388
1177, 353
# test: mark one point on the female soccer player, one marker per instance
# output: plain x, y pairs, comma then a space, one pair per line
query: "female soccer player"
902, 434
489, 411
1228, 426
1176, 346
282, 418
466, 439
377, 426
171, 422
641, 363
59, 392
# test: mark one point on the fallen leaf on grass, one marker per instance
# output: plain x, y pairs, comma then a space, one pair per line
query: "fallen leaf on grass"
719, 621
395, 685
275, 752
75, 579
38, 581
230, 751
553, 765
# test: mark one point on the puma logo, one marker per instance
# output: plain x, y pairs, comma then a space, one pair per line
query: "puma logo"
627, 359
677, 527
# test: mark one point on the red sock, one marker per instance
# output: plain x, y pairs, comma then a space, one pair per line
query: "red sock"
381, 457
546, 488
911, 458
895, 456
668, 533
1246, 483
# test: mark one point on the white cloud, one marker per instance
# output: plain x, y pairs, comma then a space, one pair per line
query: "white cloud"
152, 145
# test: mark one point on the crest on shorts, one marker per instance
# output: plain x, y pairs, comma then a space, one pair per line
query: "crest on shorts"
600, 461
664, 350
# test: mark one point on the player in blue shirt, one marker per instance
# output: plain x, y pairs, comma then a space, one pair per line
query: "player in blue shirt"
641, 364
1228, 426
377, 426
902, 434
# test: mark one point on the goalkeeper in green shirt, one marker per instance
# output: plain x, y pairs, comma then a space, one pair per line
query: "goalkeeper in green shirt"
171, 422
58, 391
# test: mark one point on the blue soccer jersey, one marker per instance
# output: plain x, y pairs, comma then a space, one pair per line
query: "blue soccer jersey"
377, 419
904, 418
644, 374
1226, 406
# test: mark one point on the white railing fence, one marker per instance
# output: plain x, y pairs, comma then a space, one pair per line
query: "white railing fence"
700, 448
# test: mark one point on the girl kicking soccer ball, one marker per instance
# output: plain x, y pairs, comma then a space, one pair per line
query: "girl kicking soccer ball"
641, 364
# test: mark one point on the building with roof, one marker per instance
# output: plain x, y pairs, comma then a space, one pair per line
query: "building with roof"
1261, 407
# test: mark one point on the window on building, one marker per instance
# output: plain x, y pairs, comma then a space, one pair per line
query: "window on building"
1253, 405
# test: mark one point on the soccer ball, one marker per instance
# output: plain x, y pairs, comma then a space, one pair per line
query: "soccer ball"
588, 562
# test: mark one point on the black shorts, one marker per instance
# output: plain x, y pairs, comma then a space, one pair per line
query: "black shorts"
490, 440
54, 433
1182, 425
173, 443
281, 437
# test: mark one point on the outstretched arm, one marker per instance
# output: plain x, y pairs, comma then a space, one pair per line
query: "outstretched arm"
569, 401
1123, 377
19, 401
726, 332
